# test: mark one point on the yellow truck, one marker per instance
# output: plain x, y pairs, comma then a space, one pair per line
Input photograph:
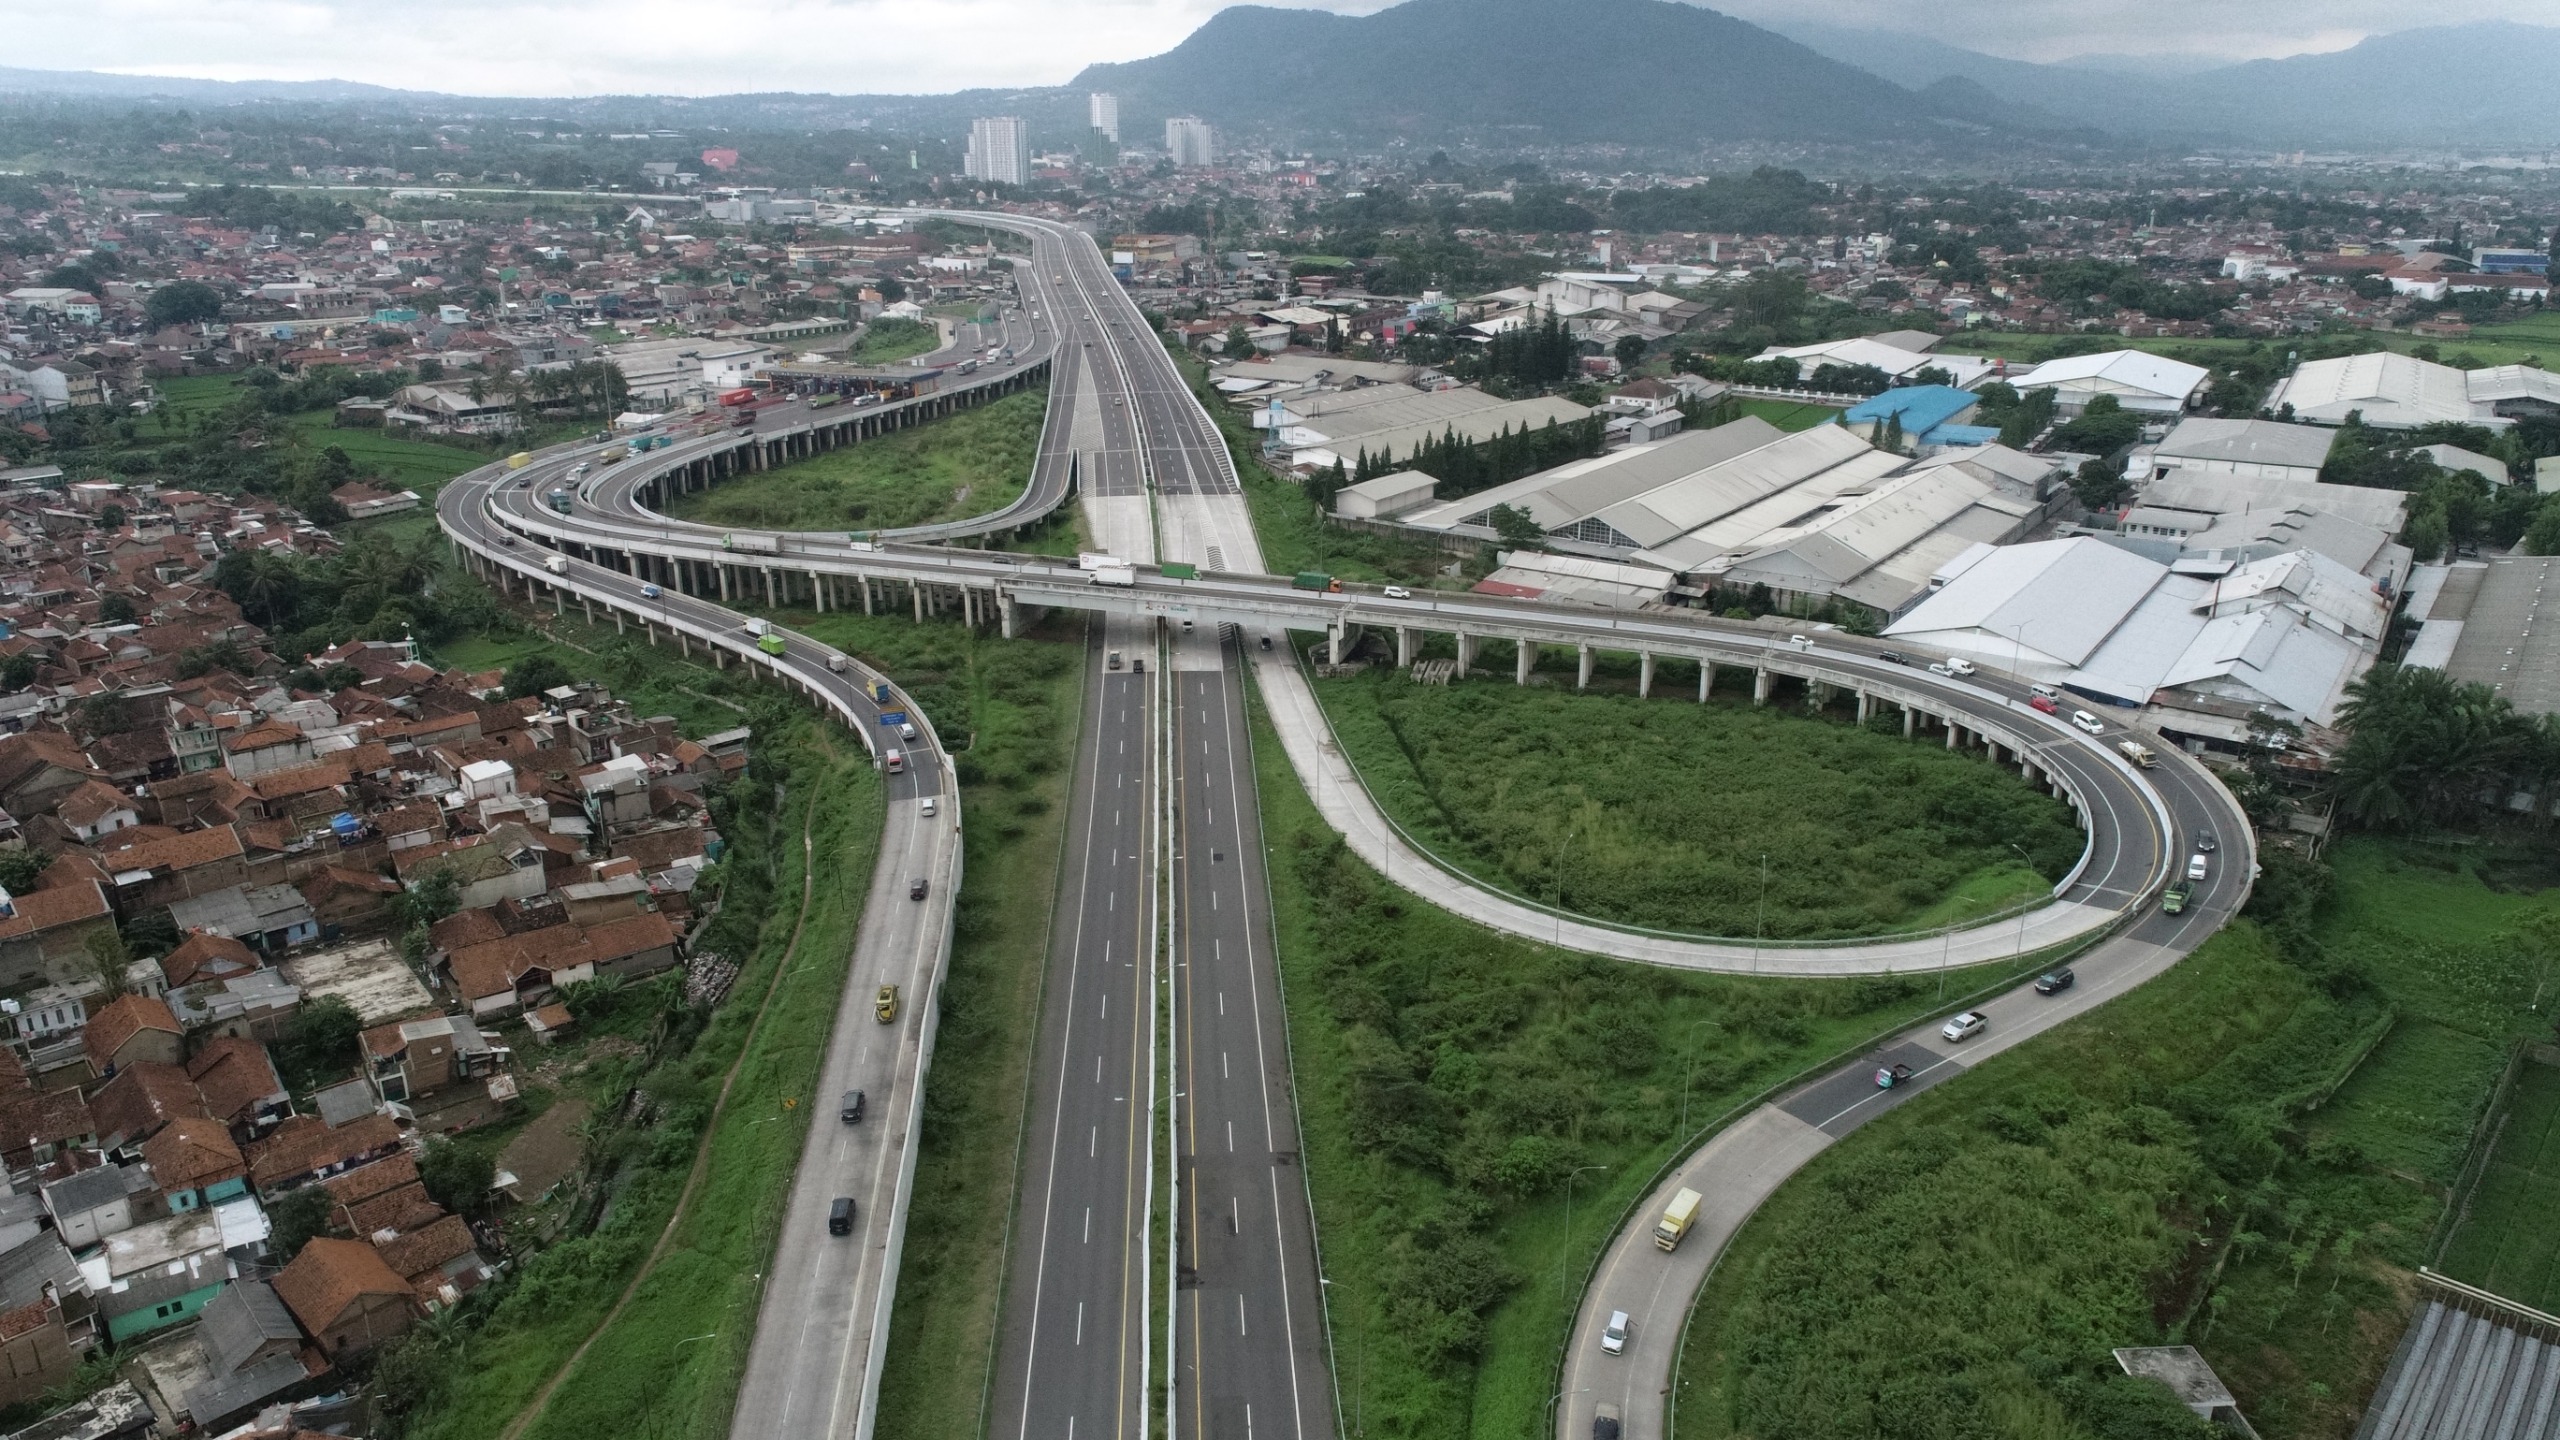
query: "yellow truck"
519, 460
1677, 1217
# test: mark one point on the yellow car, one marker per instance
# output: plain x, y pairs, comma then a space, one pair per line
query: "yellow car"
886, 1007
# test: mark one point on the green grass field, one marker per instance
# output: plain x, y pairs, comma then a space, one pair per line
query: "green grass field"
1790, 414
655, 680
2181, 1166
1659, 813
889, 341
967, 463
2507, 1241
1452, 1081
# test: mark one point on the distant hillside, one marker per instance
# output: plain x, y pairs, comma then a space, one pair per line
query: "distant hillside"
2483, 84
97, 85
1634, 72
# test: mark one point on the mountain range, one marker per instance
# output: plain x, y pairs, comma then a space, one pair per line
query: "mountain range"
1650, 75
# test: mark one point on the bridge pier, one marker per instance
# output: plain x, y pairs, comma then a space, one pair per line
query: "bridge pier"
1910, 722
1333, 639
1524, 655
559, 601
1706, 680
724, 580
1952, 730
866, 593
1582, 668
589, 606
1762, 682
915, 595
618, 627
1466, 653
769, 598
1404, 647
819, 584
1005, 613
1863, 706
1644, 675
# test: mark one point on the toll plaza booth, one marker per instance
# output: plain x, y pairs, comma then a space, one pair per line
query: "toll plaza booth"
872, 384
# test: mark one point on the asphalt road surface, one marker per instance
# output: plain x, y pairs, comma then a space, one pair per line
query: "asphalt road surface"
1072, 1358
1248, 1319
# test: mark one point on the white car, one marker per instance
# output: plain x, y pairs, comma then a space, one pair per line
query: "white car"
1397, 592
1936, 668
926, 809
1965, 1026
2082, 720
1613, 1336
2197, 865
650, 592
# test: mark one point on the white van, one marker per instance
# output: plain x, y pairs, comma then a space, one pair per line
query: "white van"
897, 762
2082, 720
1613, 1336
1957, 665
2044, 692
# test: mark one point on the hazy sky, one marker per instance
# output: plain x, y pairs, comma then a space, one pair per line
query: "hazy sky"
554, 47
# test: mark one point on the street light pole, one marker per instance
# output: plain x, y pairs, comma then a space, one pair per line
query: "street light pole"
1564, 1258
2022, 913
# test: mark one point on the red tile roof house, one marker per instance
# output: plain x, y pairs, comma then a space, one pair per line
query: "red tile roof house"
306, 1148
441, 1262
142, 1098
45, 935
195, 1163
203, 956
238, 1081
132, 1028
345, 1298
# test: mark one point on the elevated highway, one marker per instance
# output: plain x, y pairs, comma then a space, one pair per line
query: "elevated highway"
1124, 432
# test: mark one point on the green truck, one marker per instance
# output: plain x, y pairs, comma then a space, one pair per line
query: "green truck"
2175, 898
1176, 570
1316, 580
769, 643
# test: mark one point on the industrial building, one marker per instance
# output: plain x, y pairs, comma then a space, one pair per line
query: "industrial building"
1319, 428
2201, 645
2402, 392
1901, 354
2254, 449
1816, 515
1928, 417
2139, 381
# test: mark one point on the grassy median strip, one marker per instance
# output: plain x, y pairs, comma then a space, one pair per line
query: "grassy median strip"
1464, 1094
2248, 1154
1009, 711
1660, 812
969, 462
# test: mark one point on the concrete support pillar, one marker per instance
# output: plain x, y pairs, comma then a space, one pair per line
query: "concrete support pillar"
1005, 613
1404, 648
1863, 704
559, 601
618, 627
684, 642
589, 606
724, 580
1952, 729
1644, 675
770, 599
1762, 682
1466, 653
818, 586
1910, 722
1527, 655
915, 594
2027, 771
866, 594
1333, 639
1582, 669
1706, 680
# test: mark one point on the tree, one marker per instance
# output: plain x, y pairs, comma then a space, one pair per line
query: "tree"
300, 1217
319, 1042
2099, 485
108, 958
1517, 528
1630, 351
111, 518
19, 869
183, 302
534, 674
18, 671
115, 610
457, 1176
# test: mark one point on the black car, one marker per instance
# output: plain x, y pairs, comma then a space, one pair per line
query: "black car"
2054, 982
2206, 843
840, 1216
1893, 657
916, 888
853, 1102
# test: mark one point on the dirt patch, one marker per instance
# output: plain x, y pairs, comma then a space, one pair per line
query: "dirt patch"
547, 1153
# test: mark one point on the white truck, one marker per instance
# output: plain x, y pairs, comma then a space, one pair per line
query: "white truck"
1125, 575
556, 564
1095, 560
759, 628
761, 544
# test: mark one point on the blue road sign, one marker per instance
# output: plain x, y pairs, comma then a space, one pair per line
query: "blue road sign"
892, 719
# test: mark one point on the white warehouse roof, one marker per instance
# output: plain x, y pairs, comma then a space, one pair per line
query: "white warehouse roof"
2138, 379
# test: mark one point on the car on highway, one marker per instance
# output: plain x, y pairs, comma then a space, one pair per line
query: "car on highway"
650, 592
1936, 668
884, 1005
506, 539
916, 888
851, 1113
1894, 657
1964, 1026
1958, 665
1613, 1336
1605, 1422
2206, 842
2086, 723
840, 1216
926, 809
2197, 865
907, 730
2044, 704
2054, 982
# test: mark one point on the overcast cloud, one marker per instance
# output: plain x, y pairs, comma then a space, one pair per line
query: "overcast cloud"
584, 47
